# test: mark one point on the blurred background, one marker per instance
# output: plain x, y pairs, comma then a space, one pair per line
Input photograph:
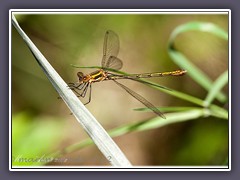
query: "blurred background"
43, 124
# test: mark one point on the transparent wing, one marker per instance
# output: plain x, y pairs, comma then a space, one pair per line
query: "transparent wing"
110, 46
114, 63
141, 99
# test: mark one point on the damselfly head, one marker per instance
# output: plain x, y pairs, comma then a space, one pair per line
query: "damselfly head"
80, 76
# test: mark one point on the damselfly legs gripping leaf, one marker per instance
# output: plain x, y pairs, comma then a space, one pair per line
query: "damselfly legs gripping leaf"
110, 61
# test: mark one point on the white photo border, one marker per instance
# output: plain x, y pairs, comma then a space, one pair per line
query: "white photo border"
118, 11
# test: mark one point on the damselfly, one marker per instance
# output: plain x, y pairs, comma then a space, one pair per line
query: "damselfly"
111, 61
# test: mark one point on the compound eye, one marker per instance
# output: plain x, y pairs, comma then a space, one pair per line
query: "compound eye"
80, 76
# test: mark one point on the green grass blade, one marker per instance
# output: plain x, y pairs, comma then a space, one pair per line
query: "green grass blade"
216, 87
193, 71
177, 94
218, 112
156, 122
199, 26
168, 109
99, 67
172, 118
213, 110
140, 126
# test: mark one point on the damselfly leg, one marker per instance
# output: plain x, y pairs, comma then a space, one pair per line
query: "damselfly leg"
81, 90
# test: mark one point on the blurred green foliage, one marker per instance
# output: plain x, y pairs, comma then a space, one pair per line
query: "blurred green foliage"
205, 143
33, 137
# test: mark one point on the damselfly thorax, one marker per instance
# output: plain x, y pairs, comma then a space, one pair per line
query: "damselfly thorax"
95, 76
110, 61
